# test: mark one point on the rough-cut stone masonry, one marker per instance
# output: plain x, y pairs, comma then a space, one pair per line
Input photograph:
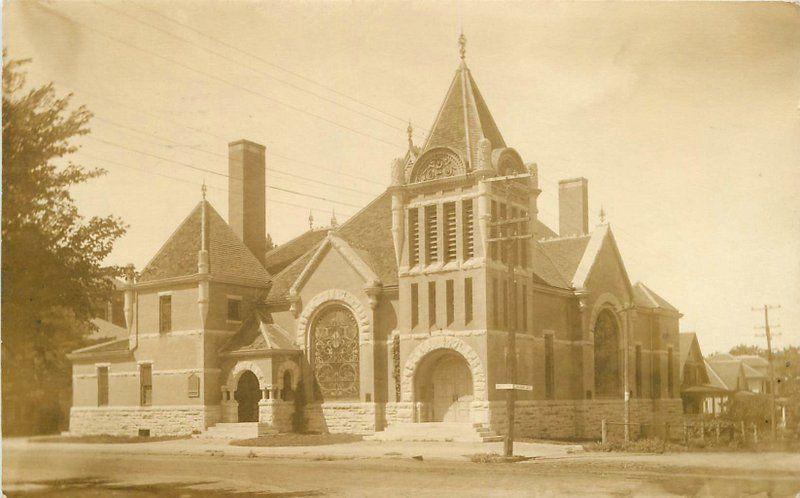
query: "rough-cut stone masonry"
275, 414
127, 421
341, 417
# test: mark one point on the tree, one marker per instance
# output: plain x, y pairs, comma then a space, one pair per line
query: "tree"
741, 349
53, 275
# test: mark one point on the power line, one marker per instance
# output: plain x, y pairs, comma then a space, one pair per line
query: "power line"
164, 115
223, 156
223, 80
287, 83
272, 64
217, 173
183, 180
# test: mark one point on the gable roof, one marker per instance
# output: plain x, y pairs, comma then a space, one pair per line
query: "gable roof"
110, 348
368, 233
283, 255
644, 296
715, 380
728, 372
751, 373
259, 334
107, 330
463, 120
566, 254
227, 254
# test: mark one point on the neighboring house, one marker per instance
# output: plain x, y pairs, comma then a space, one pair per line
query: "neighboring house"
695, 383
401, 315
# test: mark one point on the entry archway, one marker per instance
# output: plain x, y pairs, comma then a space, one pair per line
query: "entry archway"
444, 387
247, 396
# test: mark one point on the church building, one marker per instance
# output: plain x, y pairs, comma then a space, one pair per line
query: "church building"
400, 317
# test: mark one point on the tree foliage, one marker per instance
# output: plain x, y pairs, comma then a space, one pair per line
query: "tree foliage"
53, 277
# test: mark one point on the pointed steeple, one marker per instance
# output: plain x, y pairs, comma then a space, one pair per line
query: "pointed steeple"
202, 255
464, 119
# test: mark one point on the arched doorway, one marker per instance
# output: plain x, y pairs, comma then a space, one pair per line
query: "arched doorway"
247, 396
444, 387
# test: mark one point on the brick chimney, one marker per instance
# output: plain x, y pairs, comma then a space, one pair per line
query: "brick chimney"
247, 207
573, 207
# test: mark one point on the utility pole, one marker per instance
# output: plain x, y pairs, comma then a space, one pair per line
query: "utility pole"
768, 334
509, 242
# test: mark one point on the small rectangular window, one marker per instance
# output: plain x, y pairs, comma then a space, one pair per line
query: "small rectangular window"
467, 301
413, 237
449, 231
638, 363
164, 313
549, 367
524, 325
234, 310
670, 383
146, 384
468, 237
656, 374
414, 305
495, 304
450, 298
102, 386
505, 304
431, 304
431, 235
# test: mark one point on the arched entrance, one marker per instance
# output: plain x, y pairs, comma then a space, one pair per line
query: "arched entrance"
444, 387
247, 396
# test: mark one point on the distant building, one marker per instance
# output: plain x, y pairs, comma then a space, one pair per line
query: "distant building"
400, 315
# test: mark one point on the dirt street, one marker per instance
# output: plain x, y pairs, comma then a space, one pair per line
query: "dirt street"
30, 471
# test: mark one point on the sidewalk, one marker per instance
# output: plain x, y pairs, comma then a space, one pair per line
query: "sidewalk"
360, 449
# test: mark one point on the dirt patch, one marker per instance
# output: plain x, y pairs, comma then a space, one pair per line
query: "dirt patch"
495, 458
298, 440
104, 439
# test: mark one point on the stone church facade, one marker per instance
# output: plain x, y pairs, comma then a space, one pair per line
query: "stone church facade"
401, 315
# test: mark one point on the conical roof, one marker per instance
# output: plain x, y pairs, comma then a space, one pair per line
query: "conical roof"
463, 120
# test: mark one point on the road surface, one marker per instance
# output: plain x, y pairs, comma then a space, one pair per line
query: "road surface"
30, 471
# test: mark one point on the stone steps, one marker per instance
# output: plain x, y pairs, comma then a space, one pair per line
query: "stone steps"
436, 431
238, 430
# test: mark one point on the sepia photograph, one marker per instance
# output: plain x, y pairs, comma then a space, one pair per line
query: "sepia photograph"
273, 248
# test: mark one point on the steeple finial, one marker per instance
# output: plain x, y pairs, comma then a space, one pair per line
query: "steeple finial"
462, 45
602, 215
334, 223
410, 132
310, 220
203, 189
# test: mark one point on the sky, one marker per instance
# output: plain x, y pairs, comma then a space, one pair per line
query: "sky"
684, 117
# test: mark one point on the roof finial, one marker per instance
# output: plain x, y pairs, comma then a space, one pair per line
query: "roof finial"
410, 132
462, 45
602, 215
203, 189
310, 220
334, 223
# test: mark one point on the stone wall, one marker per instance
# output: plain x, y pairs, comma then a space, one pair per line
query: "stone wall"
341, 417
276, 414
128, 420
398, 413
582, 419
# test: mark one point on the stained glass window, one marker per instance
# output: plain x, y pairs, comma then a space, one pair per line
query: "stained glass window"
606, 356
335, 353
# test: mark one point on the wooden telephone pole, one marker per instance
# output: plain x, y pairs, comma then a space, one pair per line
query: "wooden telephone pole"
509, 242
771, 370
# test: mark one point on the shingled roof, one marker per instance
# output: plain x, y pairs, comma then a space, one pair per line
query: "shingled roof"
566, 254
644, 296
368, 232
283, 255
463, 119
258, 334
228, 256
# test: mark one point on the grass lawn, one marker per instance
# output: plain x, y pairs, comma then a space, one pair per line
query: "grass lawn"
292, 439
103, 439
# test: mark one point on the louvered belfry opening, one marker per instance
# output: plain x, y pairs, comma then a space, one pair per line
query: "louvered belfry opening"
431, 234
467, 229
450, 231
413, 237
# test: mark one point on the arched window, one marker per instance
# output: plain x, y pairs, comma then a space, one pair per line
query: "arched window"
286, 393
606, 356
335, 353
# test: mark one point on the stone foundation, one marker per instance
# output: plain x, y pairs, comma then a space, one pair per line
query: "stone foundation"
342, 417
582, 419
128, 420
398, 413
275, 414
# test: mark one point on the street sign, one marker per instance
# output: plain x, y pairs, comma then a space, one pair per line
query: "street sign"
516, 387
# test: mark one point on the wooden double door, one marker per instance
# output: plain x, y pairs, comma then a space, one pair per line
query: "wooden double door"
451, 386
